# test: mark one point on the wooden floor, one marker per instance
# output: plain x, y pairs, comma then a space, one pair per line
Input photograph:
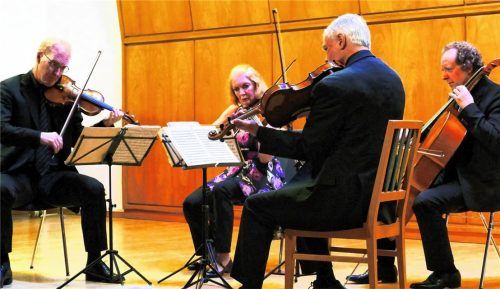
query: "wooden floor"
158, 248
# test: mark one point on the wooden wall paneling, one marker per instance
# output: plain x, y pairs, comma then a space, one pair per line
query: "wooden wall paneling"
483, 33
162, 74
479, 1
311, 9
413, 50
214, 59
153, 17
368, 6
226, 13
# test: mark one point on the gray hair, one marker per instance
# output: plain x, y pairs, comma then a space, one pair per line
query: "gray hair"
353, 26
51, 45
468, 57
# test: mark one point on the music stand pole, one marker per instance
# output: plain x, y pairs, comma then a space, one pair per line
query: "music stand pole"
207, 251
113, 254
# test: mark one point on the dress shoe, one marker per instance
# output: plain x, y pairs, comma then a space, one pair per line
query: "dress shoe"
385, 275
100, 273
319, 284
194, 265
225, 269
5, 274
439, 281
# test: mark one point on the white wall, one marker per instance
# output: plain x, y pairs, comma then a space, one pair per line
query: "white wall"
89, 26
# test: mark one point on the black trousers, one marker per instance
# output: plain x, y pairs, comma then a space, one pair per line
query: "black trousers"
429, 207
322, 210
59, 189
220, 200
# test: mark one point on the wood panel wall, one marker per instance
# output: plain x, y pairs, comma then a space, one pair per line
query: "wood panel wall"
177, 55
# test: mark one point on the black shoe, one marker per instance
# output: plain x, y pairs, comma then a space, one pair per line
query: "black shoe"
385, 275
5, 274
319, 284
194, 265
439, 281
100, 273
225, 269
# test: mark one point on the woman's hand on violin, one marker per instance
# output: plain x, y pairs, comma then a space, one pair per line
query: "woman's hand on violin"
53, 140
113, 117
247, 125
462, 96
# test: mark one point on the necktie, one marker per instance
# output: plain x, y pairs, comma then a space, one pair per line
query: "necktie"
43, 153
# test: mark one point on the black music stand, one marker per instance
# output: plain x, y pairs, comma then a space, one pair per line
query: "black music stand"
179, 152
112, 146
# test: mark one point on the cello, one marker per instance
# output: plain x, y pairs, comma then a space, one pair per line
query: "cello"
442, 135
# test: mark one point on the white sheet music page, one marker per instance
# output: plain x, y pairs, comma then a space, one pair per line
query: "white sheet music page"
192, 142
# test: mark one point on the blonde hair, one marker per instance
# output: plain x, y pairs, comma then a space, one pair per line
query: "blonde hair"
252, 74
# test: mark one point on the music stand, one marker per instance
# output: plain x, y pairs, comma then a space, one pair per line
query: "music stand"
112, 146
187, 146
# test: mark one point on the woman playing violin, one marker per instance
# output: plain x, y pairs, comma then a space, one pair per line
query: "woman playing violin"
33, 154
259, 174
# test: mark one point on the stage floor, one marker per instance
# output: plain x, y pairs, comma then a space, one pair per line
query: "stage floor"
156, 249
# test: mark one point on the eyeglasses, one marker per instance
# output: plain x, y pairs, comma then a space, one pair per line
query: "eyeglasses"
325, 48
54, 65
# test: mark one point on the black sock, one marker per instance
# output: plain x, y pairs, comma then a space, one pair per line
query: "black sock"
325, 275
5, 259
92, 256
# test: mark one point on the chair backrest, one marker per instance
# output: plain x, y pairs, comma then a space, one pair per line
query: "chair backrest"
402, 138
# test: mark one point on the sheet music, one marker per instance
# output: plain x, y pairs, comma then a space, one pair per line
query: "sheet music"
193, 145
134, 145
95, 143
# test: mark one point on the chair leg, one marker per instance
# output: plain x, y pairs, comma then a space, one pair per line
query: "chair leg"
42, 220
488, 238
290, 245
63, 233
400, 247
280, 257
371, 248
483, 220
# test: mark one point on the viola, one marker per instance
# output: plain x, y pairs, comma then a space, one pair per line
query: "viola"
282, 103
91, 101
442, 135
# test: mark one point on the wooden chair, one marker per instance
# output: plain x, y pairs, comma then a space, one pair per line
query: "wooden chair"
391, 183
38, 206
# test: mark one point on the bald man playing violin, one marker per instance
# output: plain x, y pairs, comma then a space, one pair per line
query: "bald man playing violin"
33, 154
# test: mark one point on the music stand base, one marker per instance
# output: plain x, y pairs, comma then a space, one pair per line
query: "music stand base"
200, 272
113, 254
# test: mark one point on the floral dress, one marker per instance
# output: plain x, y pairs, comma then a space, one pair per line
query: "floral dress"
253, 177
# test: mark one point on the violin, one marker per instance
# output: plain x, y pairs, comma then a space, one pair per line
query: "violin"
282, 103
91, 101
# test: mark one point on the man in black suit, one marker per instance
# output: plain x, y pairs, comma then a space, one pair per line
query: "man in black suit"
33, 154
341, 144
471, 180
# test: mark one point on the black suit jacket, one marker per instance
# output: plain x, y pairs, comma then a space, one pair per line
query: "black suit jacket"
477, 160
343, 135
19, 124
